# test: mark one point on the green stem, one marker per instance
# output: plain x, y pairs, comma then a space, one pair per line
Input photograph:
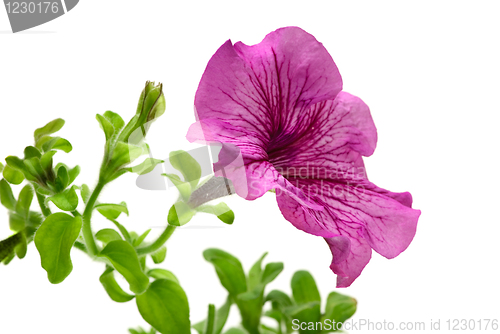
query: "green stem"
162, 239
41, 201
88, 236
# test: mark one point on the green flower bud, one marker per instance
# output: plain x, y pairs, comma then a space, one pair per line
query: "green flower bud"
151, 106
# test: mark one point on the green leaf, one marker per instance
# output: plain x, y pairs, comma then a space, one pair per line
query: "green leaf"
145, 167
340, 307
125, 260
124, 154
49, 128
112, 211
115, 120
54, 240
304, 288
272, 270
180, 214
46, 161
165, 307
32, 152
160, 255
106, 126
22, 248
229, 270
221, 210
255, 273
12, 175
115, 292
123, 230
34, 167
279, 299
305, 313
6, 196
162, 274
17, 222
62, 176
187, 165
66, 201
24, 201
57, 143
1, 167
107, 235
139, 240
184, 188
85, 191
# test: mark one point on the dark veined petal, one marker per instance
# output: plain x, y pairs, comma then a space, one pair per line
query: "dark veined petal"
332, 137
359, 211
265, 88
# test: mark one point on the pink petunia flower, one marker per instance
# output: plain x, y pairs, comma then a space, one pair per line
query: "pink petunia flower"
280, 104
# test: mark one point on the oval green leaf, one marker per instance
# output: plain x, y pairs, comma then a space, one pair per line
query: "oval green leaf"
54, 240
165, 307
114, 290
125, 260
229, 270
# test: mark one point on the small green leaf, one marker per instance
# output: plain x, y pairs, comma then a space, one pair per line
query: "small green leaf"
49, 128
12, 175
145, 167
24, 201
58, 143
305, 313
34, 167
304, 288
112, 211
32, 152
46, 161
221, 210
6, 196
125, 260
115, 292
123, 230
106, 126
1, 167
115, 120
180, 214
107, 235
66, 201
139, 240
271, 271
85, 191
183, 187
54, 240
229, 270
62, 179
160, 255
22, 248
17, 222
162, 274
124, 154
255, 273
187, 165
165, 307
72, 172
340, 307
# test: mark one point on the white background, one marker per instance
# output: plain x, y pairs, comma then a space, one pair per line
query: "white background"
428, 70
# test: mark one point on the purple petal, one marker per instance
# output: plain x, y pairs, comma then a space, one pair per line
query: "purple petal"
266, 87
358, 210
357, 258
